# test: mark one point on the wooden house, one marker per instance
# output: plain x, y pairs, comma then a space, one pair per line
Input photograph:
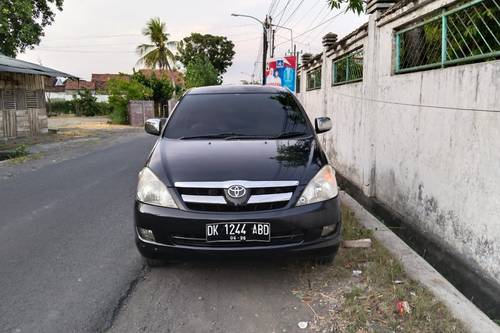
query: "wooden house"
22, 97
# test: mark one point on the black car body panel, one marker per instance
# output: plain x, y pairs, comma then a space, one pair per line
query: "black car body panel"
202, 160
181, 231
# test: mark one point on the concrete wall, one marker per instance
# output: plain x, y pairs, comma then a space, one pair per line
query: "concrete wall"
426, 144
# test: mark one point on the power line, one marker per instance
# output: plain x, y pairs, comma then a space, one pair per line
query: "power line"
314, 28
306, 13
282, 12
294, 11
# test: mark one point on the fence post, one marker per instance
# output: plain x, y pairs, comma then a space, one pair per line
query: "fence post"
347, 69
398, 52
444, 33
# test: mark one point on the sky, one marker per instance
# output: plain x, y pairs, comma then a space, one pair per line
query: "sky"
100, 36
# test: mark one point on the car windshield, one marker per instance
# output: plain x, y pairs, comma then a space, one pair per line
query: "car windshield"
237, 116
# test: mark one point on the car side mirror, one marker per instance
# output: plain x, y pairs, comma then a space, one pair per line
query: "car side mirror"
153, 126
322, 124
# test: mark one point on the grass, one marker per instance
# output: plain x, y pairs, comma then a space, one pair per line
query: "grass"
346, 303
21, 159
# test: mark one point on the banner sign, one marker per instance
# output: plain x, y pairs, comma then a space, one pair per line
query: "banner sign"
282, 72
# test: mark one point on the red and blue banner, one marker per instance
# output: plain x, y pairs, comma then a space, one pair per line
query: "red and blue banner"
282, 72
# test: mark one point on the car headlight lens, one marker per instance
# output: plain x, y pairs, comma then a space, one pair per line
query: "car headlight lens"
152, 191
322, 187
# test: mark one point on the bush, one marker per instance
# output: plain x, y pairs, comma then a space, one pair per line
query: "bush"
83, 105
61, 107
121, 91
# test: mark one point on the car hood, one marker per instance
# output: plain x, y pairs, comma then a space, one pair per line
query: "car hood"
221, 160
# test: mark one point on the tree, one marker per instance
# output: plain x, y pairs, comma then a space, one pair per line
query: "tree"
200, 72
162, 89
122, 90
356, 6
22, 23
217, 49
157, 53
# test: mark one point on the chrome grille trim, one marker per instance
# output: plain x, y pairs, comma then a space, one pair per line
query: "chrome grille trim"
245, 183
263, 198
254, 199
209, 199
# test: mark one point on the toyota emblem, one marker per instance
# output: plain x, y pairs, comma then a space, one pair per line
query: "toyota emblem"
236, 191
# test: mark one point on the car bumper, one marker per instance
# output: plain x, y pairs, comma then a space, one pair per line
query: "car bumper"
298, 230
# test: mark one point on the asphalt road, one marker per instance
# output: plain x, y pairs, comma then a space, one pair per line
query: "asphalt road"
68, 262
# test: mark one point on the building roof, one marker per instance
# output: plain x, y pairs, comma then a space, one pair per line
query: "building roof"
81, 84
237, 89
11, 65
177, 76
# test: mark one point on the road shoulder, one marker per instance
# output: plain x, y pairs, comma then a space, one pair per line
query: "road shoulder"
419, 270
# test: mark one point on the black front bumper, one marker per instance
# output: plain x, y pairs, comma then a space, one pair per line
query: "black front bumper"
179, 233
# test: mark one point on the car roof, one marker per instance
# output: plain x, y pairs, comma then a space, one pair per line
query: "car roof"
237, 89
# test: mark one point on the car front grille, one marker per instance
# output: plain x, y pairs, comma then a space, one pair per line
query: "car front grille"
211, 197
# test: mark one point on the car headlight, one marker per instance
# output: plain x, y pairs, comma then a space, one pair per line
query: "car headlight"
322, 187
152, 191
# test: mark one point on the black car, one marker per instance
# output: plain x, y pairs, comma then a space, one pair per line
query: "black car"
237, 170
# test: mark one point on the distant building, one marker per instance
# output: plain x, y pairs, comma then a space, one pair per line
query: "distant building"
100, 81
176, 75
72, 87
22, 97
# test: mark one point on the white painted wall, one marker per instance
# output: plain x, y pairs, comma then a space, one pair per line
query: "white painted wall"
437, 166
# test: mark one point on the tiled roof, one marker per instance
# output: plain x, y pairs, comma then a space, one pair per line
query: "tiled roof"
82, 84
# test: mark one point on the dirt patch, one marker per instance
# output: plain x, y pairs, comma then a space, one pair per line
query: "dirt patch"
66, 128
367, 290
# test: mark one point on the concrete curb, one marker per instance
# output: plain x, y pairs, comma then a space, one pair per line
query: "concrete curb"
420, 270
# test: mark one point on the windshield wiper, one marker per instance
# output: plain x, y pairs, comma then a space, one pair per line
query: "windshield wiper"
286, 135
210, 136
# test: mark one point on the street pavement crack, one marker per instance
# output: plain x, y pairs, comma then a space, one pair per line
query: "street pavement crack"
124, 297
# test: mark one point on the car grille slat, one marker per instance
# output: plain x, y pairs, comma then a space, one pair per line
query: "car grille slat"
210, 196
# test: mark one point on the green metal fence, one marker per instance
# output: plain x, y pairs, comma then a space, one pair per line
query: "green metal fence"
314, 79
348, 69
466, 33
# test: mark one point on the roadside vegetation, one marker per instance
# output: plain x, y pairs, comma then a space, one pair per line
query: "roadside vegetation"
83, 104
371, 292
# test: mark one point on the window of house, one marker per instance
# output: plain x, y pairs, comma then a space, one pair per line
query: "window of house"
468, 32
348, 68
9, 99
314, 79
297, 87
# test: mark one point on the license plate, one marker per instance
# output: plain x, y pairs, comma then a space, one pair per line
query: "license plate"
238, 232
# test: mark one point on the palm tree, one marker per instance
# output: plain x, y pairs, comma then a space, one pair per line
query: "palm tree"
157, 53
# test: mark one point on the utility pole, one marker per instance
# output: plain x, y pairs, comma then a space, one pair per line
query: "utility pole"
264, 49
265, 27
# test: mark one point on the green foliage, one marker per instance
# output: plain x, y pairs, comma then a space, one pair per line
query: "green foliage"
61, 106
121, 91
162, 88
69, 107
217, 49
157, 52
356, 6
19, 151
200, 72
22, 23
86, 103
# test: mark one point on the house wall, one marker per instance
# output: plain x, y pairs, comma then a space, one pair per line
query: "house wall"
22, 105
425, 144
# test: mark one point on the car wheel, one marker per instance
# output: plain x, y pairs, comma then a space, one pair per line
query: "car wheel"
155, 262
